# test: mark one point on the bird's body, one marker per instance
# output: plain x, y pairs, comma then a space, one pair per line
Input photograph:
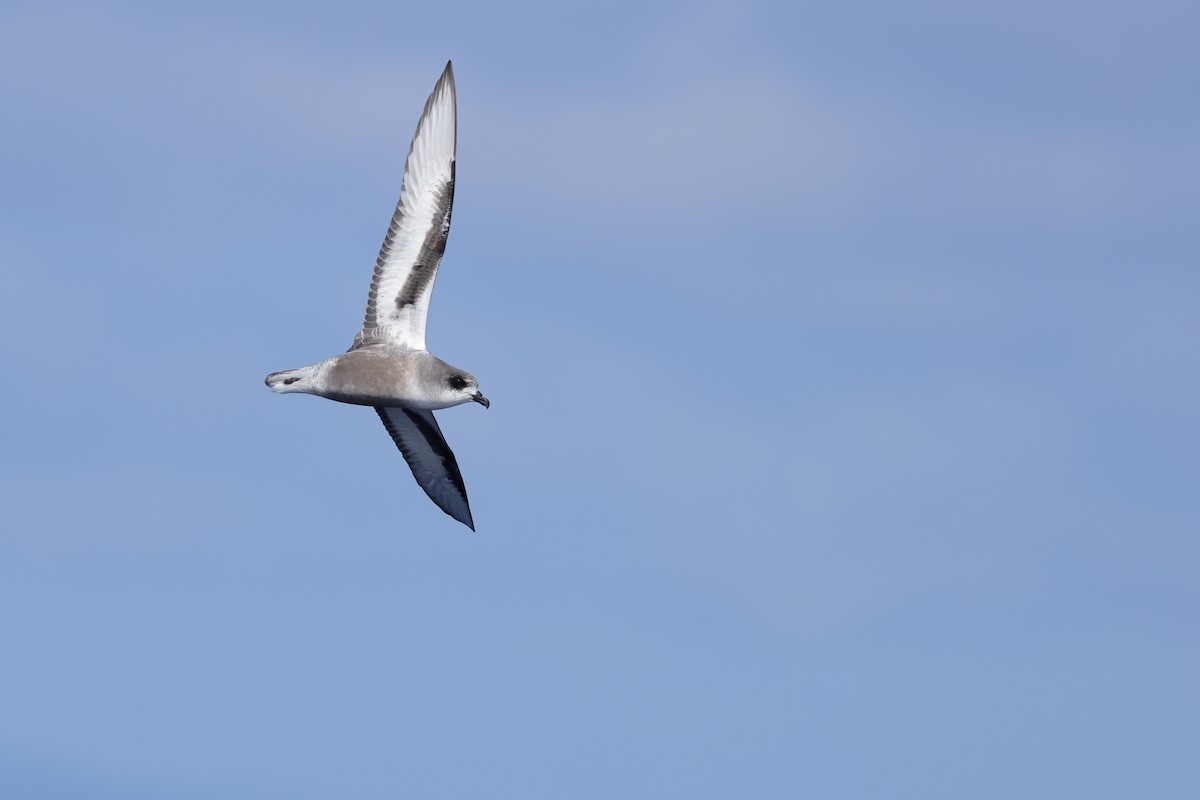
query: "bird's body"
387, 367
376, 375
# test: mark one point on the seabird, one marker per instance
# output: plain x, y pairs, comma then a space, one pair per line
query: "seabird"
388, 366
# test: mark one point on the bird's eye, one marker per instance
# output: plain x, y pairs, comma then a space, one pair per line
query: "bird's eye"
457, 382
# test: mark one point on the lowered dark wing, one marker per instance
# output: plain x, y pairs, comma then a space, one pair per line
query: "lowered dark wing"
420, 439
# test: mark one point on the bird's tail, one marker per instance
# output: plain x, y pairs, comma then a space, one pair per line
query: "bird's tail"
290, 380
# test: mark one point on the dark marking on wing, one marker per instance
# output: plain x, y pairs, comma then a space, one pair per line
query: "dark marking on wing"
430, 257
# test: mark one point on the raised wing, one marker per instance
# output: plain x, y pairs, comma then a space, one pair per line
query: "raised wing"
412, 250
420, 439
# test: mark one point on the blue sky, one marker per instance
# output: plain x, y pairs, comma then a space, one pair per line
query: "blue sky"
843, 366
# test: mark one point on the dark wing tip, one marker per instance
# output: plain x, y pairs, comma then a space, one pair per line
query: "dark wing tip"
452, 510
463, 516
467, 519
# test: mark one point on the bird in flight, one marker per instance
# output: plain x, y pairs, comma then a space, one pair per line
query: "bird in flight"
388, 366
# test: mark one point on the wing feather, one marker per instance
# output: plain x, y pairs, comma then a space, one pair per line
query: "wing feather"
433, 464
398, 303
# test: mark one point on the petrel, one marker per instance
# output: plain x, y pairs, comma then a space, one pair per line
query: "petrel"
388, 366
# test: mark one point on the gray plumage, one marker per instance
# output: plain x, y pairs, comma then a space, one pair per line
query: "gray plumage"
387, 366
